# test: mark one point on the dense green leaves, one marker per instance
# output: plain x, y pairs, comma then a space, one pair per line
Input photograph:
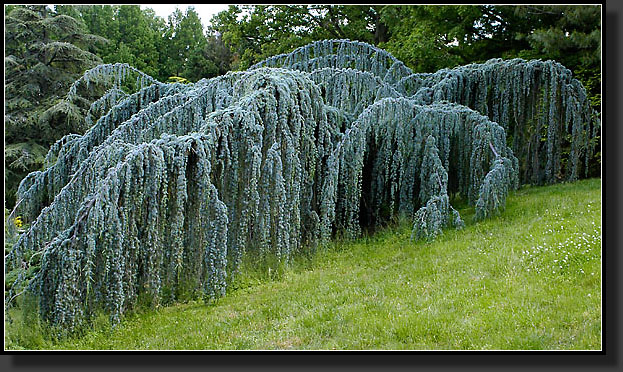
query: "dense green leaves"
257, 32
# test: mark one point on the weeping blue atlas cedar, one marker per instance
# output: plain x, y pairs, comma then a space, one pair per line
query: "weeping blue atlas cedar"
174, 187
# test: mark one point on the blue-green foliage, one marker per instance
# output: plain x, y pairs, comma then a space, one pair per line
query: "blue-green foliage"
539, 103
495, 187
437, 212
175, 185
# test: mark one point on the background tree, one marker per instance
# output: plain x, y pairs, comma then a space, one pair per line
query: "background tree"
184, 46
570, 35
218, 55
45, 52
135, 34
256, 32
161, 48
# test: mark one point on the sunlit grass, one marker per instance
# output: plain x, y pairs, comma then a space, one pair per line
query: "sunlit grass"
527, 279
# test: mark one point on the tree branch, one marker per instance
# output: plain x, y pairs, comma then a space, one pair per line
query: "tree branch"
322, 23
336, 23
493, 149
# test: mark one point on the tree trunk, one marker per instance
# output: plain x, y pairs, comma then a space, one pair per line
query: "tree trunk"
380, 28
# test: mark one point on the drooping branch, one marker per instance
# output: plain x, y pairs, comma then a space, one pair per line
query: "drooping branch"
532, 100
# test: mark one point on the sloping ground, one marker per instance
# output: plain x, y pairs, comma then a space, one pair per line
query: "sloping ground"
527, 279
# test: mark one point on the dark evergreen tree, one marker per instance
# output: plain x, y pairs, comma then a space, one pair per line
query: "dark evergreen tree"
45, 53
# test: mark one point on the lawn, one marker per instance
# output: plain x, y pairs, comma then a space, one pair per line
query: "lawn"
527, 279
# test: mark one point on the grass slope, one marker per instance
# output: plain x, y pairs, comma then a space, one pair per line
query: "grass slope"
527, 279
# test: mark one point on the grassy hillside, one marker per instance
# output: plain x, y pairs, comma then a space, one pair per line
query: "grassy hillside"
527, 279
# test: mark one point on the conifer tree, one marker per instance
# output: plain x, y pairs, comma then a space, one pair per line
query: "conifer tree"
176, 186
44, 54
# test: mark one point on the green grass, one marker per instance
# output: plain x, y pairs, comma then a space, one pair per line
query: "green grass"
527, 279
